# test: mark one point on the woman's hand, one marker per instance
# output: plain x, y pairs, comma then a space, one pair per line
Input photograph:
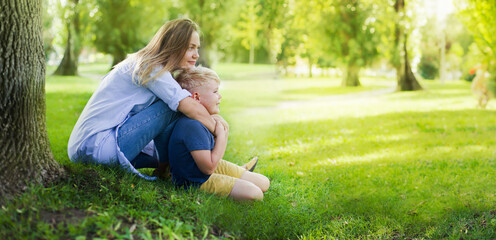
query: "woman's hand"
221, 128
193, 109
221, 120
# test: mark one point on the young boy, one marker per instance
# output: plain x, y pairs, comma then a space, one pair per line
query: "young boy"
195, 156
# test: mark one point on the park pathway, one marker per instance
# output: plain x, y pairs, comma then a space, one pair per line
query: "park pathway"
340, 99
358, 98
94, 76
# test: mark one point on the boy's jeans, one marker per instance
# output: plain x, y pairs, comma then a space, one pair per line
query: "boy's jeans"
152, 123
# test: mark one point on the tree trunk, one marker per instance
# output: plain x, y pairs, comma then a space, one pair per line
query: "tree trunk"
350, 77
310, 66
404, 74
252, 53
204, 57
25, 150
442, 59
69, 64
118, 57
406, 81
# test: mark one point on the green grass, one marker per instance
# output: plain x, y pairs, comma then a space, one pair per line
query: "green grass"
403, 165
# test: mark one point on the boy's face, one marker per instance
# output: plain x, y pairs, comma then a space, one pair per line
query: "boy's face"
208, 95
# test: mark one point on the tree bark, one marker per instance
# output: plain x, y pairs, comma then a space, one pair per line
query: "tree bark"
350, 77
406, 80
25, 153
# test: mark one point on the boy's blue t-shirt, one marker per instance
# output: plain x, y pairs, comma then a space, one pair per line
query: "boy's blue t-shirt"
188, 135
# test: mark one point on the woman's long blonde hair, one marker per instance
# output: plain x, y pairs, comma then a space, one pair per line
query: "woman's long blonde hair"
166, 50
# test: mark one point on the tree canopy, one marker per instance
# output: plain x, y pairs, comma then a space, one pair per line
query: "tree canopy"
348, 35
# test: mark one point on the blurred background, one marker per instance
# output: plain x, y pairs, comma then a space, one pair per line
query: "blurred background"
442, 40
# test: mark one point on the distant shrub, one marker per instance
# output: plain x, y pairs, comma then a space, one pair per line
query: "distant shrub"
469, 77
428, 67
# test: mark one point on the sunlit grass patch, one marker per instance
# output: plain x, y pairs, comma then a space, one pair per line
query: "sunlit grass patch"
396, 164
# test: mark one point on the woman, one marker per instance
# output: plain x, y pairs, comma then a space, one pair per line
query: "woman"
137, 102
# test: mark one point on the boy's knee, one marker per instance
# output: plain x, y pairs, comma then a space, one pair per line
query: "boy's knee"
256, 193
265, 183
258, 179
244, 190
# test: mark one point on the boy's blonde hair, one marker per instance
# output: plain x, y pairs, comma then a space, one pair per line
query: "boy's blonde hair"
189, 78
165, 50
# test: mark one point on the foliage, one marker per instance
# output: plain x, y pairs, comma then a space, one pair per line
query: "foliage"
117, 25
214, 18
294, 32
329, 33
479, 17
316, 33
351, 37
249, 26
123, 27
273, 19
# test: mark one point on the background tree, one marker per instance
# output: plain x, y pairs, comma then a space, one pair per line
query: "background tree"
214, 18
71, 15
273, 20
349, 35
291, 32
118, 27
25, 153
249, 26
302, 34
406, 80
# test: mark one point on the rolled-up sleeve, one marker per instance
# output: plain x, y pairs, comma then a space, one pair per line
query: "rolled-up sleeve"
166, 88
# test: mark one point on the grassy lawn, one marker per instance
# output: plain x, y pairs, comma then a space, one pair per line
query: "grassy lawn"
345, 163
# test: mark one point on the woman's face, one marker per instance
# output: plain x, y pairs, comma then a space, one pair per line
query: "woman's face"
191, 55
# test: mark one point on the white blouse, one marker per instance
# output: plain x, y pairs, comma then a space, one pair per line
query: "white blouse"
94, 137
